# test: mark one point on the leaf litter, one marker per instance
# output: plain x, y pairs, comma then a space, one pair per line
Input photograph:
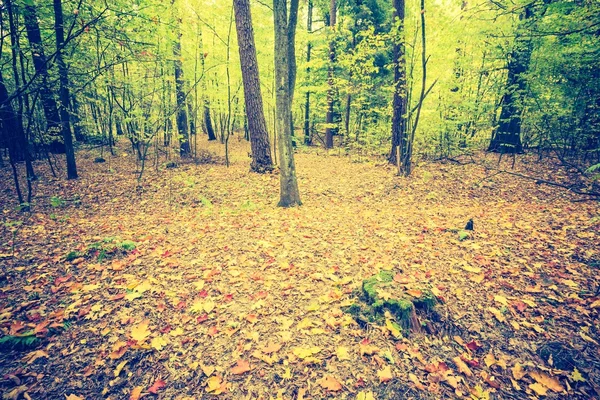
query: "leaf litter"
221, 298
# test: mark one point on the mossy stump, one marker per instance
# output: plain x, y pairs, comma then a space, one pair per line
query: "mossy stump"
380, 293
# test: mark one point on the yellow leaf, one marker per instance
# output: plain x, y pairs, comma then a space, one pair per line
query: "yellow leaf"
385, 375
393, 328
140, 332
576, 376
197, 307
199, 285
209, 305
74, 397
207, 369
136, 393
489, 359
330, 383
365, 396
158, 343
462, 366
517, 372
595, 304
501, 299
120, 368
176, 332
215, 385
539, 389
342, 353
305, 352
548, 381
497, 313
470, 268
416, 381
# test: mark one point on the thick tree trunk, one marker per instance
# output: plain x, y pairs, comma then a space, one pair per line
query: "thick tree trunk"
329, 118
41, 68
289, 195
182, 117
64, 91
257, 125
507, 137
400, 110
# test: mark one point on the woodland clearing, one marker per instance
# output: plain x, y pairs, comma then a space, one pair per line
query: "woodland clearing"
198, 286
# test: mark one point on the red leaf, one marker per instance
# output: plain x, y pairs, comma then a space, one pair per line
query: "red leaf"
202, 318
473, 345
203, 293
158, 384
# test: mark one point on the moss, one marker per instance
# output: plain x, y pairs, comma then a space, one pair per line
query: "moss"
371, 284
426, 302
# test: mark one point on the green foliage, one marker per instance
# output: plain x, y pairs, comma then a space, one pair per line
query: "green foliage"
56, 201
21, 342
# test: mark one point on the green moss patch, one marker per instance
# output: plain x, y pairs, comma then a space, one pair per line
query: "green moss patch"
380, 294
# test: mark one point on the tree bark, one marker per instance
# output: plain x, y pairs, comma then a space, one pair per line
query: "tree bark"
400, 109
41, 68
64, 91
307, 135
329, 118
208, 125
507, 137
182, 117
289, 195
257, 125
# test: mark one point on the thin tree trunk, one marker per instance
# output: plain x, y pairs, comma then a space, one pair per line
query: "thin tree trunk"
41, 68
329, 119
182, 117
307, 135
208, 125
64, 91
257, 125
400, 101
289, 194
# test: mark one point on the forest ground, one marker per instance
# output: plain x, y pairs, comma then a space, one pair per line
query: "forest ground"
199, 286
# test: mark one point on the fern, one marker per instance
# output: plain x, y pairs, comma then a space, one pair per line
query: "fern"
21, 342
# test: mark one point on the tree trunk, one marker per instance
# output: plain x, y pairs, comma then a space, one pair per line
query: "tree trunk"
329, 119
399, 117
64, 91
289, 194
507, 137
41, 68
307, 135
182, 118
257, 125
208, 125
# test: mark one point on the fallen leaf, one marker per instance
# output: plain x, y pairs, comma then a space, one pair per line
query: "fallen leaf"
140, 332
518, 372
548, 381
342, 353
215, 385
330, 383
576, 376
136, 393
241, 367
416, 381
539, 389
385, 375
120, 368
156, 386
462, 366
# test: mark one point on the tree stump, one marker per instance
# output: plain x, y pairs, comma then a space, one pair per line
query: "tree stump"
381, 296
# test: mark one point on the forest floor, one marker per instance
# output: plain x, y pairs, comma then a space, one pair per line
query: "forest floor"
197, 286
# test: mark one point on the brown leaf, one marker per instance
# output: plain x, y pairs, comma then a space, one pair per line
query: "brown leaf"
548, 381
462, 366
330, 383
136, 393
241, 367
